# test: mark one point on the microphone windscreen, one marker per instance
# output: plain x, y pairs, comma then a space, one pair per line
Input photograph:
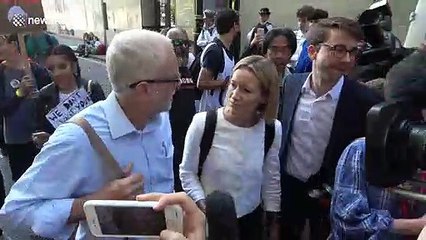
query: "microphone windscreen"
221, 216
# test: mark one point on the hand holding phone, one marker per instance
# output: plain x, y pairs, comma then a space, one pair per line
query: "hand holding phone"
131, 219
194, 222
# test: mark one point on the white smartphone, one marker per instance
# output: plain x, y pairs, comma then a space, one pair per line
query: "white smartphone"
131, 219
260, 32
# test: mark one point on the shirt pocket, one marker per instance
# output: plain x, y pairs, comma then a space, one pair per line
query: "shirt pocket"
164, 163
166, 150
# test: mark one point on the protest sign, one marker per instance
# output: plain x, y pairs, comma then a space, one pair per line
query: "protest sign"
72, 105
21, 16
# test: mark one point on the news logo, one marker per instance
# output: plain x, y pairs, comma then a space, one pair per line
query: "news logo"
21, 19
17, 16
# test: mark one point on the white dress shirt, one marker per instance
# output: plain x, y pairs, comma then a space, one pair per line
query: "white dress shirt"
68, 168
312, 126
235, 164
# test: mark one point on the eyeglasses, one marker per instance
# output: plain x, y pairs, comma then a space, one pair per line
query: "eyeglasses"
180, 42
133, 85
341, 51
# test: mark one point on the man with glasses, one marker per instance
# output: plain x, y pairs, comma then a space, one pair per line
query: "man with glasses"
322, 113
134, 125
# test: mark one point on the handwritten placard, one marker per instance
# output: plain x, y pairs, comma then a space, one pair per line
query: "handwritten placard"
72, 105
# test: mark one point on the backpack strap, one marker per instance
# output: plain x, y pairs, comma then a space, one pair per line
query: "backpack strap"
207, 138
269, 136
109, 162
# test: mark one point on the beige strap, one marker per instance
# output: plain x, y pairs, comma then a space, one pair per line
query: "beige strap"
111, 165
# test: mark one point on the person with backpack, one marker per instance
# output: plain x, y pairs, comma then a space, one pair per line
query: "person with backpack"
235, 149
217, 61
38, 45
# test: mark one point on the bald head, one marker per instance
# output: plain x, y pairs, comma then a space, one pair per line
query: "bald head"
136, 55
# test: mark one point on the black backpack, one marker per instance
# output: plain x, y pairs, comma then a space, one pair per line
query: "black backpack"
195, 71
208, 134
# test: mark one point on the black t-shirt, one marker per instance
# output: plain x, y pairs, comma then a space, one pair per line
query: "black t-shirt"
213, 57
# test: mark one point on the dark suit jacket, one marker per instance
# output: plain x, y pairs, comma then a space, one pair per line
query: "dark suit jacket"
349, 122
49, 98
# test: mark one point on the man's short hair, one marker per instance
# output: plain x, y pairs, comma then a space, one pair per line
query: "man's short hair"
276, 32
406, 81
225, 20
318, 14
305, 11
319, 32
136, 55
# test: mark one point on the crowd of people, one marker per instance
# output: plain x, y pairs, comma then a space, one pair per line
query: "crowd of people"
284, 138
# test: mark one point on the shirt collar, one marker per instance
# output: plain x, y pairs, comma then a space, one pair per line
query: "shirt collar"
334, 93
119, 124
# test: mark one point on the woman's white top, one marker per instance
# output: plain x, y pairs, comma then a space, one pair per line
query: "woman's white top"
235, 164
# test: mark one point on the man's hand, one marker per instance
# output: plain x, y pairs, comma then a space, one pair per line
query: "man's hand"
122, 189
193, 218
40, 138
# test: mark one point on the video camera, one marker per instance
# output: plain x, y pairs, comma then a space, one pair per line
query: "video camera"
395, 144
377, 55
376, 50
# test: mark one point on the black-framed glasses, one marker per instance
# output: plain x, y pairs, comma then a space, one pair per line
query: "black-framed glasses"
133, 85
341, 51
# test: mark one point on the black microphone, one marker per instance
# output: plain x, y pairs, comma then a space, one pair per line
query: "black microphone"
221, 217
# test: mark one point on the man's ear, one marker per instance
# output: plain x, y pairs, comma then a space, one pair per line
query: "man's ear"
312, 52
144, 88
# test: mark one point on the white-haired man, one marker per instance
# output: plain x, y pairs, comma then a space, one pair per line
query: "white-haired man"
134, 125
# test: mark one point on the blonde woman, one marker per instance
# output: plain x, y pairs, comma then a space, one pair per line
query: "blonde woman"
239, 160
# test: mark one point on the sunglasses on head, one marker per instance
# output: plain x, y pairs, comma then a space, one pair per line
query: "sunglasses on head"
180, 42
